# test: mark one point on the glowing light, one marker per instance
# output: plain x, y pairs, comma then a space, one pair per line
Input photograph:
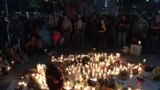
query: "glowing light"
94, 69
40, 77
139, 42
12, 62
106, 3
8, 68
144, 60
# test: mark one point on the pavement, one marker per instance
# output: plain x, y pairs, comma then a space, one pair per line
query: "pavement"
19, 70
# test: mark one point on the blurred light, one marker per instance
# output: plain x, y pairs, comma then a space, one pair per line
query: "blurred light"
95, 1
106, 3
12, 62
2, 12
8, 68
147, 0
156, 0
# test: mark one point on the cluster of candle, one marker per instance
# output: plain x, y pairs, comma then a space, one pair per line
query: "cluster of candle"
22, 85
40, 77
94, 67
4, 64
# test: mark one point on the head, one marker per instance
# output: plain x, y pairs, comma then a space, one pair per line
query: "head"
123, 17
65, 17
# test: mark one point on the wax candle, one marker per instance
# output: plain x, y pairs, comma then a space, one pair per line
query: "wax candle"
129, 88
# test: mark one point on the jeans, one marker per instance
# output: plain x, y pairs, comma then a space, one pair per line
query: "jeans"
122, 38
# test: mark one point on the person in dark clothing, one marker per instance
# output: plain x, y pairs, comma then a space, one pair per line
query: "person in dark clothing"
102, 34
79, 29
123, 30
111, 33
30, 45
39, 45
14, 32
139, 30
93, 30
155, 31
14, 53
2, 34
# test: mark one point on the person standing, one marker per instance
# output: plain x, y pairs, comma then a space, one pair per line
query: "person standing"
123, 30
102, 34
66, 28
140, 30
79, 29
93, 30
155, 31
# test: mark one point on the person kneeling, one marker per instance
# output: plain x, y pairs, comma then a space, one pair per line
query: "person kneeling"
14, 53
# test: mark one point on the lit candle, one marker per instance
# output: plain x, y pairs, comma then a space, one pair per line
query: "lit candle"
8, 68
139, 42
144, 60
93, 88
129, 88
131, 76
45, 50
67, 85
86, 88
118, 55
138, 89
12, 62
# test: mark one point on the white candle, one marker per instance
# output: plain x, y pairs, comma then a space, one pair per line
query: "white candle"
139, 42
118, 55
144, 60
93, 88
129, 88
138, 89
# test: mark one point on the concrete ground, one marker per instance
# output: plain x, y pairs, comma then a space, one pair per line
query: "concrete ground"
19, 70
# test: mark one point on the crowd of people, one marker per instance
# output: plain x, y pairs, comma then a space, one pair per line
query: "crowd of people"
21, 36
